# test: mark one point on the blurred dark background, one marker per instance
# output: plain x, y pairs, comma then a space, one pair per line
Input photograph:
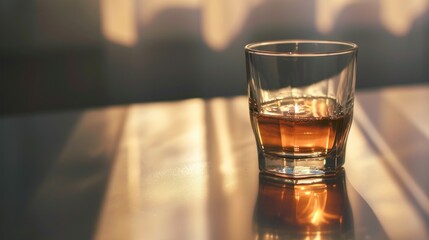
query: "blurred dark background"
62, 54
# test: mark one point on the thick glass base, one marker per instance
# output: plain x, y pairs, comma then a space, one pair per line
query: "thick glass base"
300, 167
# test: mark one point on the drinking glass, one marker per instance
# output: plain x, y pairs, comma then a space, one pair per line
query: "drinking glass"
301, 95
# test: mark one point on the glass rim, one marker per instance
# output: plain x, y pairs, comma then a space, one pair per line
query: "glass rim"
252, 48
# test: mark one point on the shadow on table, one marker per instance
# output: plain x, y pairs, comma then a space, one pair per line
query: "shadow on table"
55, 169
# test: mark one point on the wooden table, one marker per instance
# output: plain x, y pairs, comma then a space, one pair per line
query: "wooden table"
188, 170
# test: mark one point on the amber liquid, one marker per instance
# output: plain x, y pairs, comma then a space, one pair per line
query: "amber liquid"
301, 126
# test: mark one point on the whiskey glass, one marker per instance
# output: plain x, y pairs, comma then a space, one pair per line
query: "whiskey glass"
301, 95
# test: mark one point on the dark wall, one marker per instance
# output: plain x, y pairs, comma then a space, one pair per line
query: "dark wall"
59, 54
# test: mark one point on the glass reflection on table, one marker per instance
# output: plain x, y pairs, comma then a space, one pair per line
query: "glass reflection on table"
316, 208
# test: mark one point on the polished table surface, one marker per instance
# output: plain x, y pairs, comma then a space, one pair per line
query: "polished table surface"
188, 170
